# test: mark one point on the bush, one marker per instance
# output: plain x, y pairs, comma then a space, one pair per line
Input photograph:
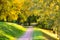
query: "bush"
46, 24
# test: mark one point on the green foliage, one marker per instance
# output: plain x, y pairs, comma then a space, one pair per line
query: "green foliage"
46, 24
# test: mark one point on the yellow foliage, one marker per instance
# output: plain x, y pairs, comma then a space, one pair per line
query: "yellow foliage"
47, 12
18, 1
58, 0
41, 1
52, 5
12, 15
57, 7
35, 11
52, 17
13, 11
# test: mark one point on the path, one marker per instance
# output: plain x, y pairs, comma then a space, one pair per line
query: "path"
27, 35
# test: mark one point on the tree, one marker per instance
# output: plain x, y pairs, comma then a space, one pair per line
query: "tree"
10, 9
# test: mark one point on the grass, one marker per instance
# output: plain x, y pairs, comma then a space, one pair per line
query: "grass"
37, 35
10, 31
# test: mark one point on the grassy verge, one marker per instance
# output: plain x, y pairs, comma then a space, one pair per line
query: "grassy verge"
37, 35
10, 31
40, 35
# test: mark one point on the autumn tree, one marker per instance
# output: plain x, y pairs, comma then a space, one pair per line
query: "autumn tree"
9, 9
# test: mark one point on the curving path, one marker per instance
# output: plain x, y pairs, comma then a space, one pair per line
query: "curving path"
27, 35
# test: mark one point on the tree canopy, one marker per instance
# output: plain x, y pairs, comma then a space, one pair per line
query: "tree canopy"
46, 11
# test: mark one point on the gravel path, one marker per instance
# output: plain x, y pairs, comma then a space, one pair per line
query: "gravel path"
27, 35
